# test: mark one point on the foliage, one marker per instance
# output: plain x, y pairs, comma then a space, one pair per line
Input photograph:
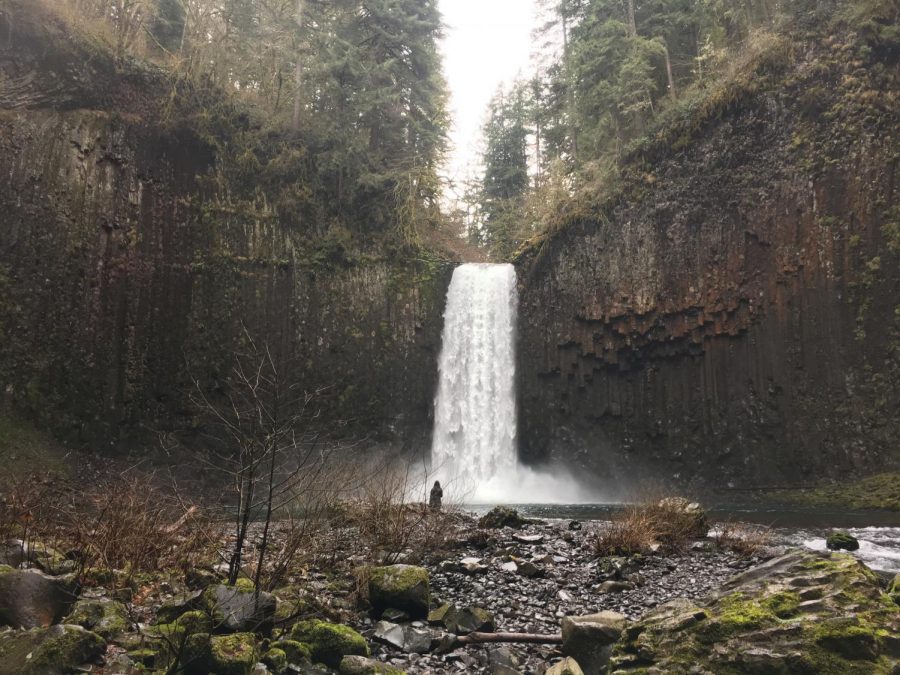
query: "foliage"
650, 525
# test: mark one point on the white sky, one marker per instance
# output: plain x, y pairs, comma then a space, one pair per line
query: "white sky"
487, 43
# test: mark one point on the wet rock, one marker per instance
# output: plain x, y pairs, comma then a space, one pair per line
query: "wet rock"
31, 599
107, 618
360, 665
568, 666
842, 541
238, 608
402, 587
757, 623
405, 638
502, 516
57, 650
589, 639
329, 642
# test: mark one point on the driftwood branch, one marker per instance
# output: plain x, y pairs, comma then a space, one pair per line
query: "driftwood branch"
529, 638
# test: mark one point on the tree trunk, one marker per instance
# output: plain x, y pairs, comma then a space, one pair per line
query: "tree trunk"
632, 23
672, 91
298, 70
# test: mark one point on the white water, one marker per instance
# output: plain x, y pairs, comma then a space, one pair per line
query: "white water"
474, 452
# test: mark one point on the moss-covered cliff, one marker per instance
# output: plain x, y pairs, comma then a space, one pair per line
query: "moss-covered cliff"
730, 316
134, 249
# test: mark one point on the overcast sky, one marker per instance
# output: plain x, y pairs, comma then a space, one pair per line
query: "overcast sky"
487, 43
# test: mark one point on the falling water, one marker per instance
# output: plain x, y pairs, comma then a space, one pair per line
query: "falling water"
475, 412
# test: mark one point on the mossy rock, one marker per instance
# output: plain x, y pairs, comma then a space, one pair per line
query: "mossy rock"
502, 516
361, 665
235, 654
842, 541
803, 612
296, 652
239, 609
403, 587
276, 660
894, 589
329, 642
57, 650
107, 618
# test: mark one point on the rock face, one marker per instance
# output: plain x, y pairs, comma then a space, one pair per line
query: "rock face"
800, 613
730, 315
144, 270
30, 599
403, 587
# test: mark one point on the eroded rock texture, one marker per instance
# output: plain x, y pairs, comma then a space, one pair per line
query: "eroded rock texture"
731, 317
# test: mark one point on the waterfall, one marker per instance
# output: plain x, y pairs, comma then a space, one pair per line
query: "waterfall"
474, 446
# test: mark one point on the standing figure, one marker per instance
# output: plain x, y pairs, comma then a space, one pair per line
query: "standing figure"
434, 501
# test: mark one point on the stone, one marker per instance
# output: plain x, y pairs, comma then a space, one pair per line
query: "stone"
175, 607
615, 587
361, 665
234, 654
510, 566
58, 650
32, 599
402, 587
107, 618
438, 614
568, 666
473, 566
275, 660
505, 661
15, 552
238, 608
405, 638
589, 639
529, 569
469, 620
296, 652
395, 615
329, 642
842, 541
529, 538
502, 516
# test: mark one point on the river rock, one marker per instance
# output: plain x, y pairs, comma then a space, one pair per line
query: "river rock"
469, 620
402, 587
529, 569
57, 650
589, 639
234, 654
568, 666
502, 516
842, 541
328, 642
180, 604
107, 618
32, 599
405, 638
235, 609
758, 622
529, 538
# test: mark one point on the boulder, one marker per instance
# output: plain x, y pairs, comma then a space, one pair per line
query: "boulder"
469, 620
57, 650
842, 541
32, 599
589, 639
329, 642
405, 638
568, 666
361, 665
107, 618
403, 587
502, 516
529, 570
235, 654
760, 622
505, 661
175, 607
238, 608
14, 552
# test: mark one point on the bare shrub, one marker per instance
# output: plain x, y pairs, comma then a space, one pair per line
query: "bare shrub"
745, 539
669, 524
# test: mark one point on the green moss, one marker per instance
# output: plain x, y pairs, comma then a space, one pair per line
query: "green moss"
881, 491
245, 585
783, 604
40, 651
105, 617
738, 615
233, 654
329, 642
297, 652
276, 660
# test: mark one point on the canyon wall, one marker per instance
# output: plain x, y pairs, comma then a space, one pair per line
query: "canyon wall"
729, 318
127, 274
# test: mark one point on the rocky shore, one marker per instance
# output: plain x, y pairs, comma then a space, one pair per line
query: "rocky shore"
704, 608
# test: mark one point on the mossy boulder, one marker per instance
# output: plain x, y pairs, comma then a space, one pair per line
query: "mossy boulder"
57, 650
296, 652
107, 618
32, 599
275, 660
803, 612
462, 621
589, 639
234, 654
360, 665
502, 516
329, 643
842, 541
185, 602
403, 587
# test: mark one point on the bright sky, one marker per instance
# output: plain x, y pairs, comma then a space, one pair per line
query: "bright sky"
487, 43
